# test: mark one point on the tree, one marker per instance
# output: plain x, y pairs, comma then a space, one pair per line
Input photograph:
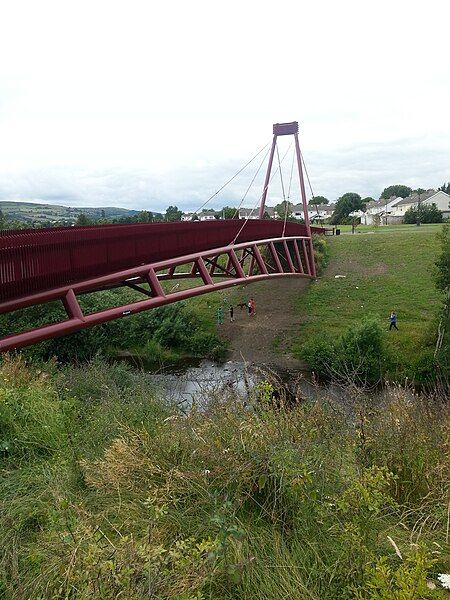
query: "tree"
144, 216
194, 217
368, 199
419, 191
445, 188
2, 220
399, 191
82, 220
229, 212
282, 208
346, 204
318, 200
428, 213
173, 213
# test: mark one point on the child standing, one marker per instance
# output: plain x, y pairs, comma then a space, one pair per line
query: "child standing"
231, 310
393, 320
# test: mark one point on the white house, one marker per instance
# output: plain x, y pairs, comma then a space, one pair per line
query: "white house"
442, 201
207, 215
378, 212
249, 213
315, 213
440, 198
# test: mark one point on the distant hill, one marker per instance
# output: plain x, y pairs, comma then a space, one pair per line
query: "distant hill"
38, 214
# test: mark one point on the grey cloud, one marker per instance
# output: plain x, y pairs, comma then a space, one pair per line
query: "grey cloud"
365, 169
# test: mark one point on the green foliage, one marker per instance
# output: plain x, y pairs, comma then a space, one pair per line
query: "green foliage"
346, 204
405, 581
321, 252
82, 220
173, 213
317, 200
382, 274
445, 188
229, 212
442, 264
175, 326
368, 199
113, 493
427, 213
399, 191
284, 209
358, 355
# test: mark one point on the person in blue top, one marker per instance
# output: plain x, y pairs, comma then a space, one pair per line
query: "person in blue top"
393, 320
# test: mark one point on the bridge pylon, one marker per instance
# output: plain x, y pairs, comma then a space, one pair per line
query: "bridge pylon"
280, 129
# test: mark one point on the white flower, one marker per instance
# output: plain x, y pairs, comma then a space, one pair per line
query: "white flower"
444, 578
206, 472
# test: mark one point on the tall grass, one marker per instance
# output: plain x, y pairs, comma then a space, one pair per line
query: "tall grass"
114, 493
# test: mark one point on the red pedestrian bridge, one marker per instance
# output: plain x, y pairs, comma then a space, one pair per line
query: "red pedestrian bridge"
60, 264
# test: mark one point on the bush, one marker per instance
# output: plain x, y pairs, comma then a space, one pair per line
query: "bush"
358, 355
426, 214
172, 327
321, 252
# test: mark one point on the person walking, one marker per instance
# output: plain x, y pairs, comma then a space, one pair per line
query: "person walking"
220, 316
393, 321
231, 311
249, 308
253, 306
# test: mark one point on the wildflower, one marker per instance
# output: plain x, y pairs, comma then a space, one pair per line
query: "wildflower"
444, 578
206, 472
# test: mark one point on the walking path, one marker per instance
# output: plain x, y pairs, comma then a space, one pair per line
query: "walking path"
265, 338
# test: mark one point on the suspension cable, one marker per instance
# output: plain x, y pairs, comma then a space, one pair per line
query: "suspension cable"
290, 179
231, 179
250, 185
260, 198
310, 187
284, 195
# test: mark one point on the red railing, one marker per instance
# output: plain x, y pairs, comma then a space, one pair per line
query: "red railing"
34, 260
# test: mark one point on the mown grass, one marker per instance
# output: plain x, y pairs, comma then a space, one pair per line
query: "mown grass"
107, 491
381, 273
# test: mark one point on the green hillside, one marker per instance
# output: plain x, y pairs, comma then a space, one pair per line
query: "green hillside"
38, 214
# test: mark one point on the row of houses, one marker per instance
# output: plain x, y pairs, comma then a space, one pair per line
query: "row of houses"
319, 213
387, 212
379, 212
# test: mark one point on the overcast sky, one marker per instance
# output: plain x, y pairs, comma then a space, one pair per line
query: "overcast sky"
142, 104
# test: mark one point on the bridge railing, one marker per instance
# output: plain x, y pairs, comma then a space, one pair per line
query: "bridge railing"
34, 260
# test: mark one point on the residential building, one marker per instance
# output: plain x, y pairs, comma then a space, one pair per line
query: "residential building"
316, 213
208, 215
440, 199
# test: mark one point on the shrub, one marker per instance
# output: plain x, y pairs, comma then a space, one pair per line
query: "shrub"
321, 252
172, 326
358, 355
426, 214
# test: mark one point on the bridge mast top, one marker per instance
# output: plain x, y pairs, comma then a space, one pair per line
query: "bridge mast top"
285, 128
278, 130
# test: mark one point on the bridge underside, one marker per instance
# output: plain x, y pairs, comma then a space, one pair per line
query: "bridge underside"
202, 272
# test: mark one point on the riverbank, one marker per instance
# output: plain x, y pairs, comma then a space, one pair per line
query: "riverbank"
110, 490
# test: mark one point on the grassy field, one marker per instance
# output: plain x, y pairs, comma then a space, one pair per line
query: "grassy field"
385, 229
109, 491
389, 270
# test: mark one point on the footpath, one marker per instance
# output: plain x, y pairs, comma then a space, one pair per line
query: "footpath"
266, 337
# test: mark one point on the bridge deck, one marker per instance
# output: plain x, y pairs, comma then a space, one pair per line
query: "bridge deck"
33, 260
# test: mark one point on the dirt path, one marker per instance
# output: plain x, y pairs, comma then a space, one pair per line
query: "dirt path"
266, 337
